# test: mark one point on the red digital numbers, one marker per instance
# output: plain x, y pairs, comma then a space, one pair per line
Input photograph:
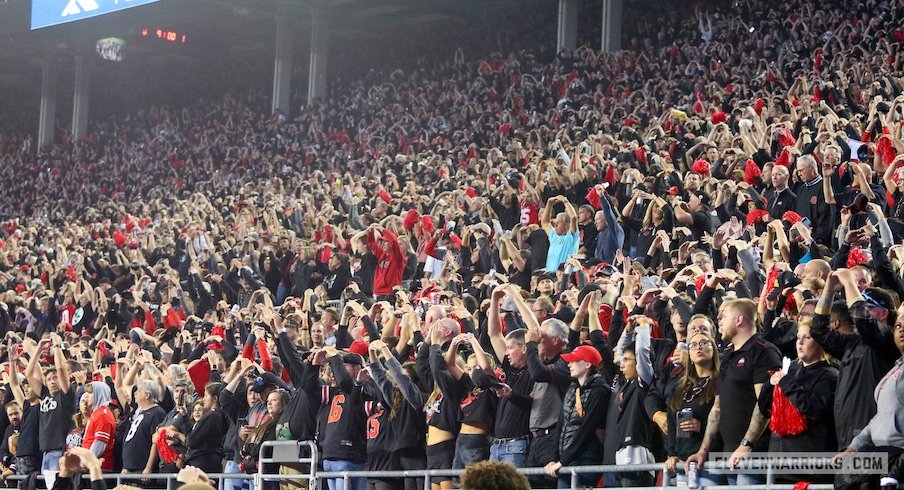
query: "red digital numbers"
164, 35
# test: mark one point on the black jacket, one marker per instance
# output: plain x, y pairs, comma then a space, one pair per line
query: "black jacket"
811, 389
578, 433
866, 355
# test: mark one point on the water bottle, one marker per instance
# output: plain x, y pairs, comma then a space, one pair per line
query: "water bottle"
692, 479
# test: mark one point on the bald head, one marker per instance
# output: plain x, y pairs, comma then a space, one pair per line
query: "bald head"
817, 269
449, 327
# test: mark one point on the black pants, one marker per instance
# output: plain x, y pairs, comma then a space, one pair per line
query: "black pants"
413, 459
543, 449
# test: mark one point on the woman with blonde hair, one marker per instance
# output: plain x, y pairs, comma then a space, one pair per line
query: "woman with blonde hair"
799, 400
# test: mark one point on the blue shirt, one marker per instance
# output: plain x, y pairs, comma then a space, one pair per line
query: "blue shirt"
561, 247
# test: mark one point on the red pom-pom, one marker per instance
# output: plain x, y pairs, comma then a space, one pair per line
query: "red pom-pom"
120, 239
410, 220
427, 225
641, 155
471, 192
700, 167
751, 172
594, 199
786, 419
856, 257
385, 196
784, 159
718, 117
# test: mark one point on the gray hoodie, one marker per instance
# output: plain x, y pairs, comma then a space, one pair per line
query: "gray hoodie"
886, 429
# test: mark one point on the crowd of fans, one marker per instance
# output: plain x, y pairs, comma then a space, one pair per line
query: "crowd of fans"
687, 247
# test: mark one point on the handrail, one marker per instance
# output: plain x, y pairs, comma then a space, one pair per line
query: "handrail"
315, 476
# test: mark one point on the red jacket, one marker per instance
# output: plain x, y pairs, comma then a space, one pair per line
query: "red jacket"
390, 265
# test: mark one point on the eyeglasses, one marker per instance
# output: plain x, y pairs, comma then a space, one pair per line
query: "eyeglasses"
703, 344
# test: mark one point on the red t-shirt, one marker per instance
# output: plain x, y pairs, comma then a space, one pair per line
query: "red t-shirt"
101, 427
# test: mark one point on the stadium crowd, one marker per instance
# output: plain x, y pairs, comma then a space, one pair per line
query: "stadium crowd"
691, 246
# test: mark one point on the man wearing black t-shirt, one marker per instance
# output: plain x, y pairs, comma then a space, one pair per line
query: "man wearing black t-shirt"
511, 435
735, 422
14, 415
136, 447
695, 214
57, 404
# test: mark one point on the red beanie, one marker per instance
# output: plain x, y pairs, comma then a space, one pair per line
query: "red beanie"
359, 347
791, 217
756, 216
758, 105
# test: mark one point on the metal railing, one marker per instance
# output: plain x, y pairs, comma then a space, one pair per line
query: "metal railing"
292, 452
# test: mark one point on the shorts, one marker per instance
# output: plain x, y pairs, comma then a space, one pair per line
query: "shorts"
440, 457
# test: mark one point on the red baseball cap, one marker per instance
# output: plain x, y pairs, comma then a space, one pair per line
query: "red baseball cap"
584, 353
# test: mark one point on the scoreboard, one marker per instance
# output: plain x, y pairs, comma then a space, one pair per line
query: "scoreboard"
46, 13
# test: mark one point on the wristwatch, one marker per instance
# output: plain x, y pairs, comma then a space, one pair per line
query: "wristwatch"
746, 443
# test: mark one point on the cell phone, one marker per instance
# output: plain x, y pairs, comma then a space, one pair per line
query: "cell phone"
242, 422
683, 416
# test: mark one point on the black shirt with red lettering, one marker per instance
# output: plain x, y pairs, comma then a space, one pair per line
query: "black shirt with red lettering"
478, 405
343, 438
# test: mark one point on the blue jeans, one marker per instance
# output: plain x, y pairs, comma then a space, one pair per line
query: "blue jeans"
704, 477
51, 460
343, 465
734, 480
471, 448
513, 451
234, 483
